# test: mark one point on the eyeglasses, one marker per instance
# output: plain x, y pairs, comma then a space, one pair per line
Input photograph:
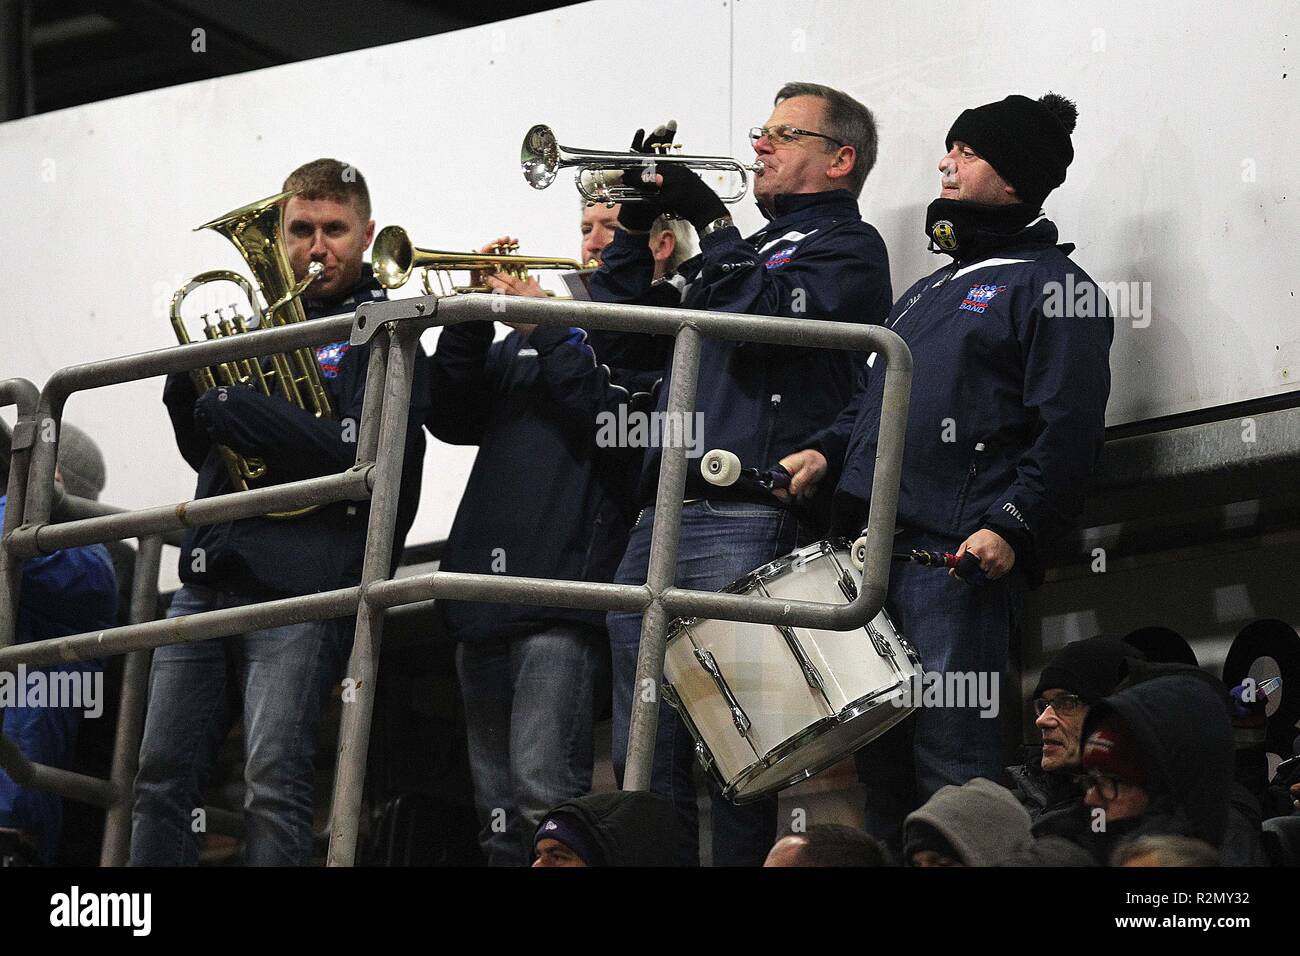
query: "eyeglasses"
1106, 785
783, 135
1063, 704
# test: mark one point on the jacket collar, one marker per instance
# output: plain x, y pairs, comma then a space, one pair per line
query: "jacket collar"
799, 207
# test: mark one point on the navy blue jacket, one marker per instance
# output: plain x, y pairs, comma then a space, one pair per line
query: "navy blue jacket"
544, 499
1008, 400
816, 259
320, 551
71, 591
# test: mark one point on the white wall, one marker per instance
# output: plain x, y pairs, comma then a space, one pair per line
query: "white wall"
1177, 104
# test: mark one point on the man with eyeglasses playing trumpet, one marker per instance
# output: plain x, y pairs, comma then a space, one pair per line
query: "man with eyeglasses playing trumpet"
546, 500
816, 258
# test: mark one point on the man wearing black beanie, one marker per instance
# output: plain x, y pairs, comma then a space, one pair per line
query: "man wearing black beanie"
1006, 421
1081, 673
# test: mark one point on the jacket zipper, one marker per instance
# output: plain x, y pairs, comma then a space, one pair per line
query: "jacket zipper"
771, 428
971, 474
591, 544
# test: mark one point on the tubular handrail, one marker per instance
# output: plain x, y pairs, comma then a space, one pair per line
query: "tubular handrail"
393, 329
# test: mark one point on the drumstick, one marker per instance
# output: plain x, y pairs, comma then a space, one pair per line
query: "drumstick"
946, 560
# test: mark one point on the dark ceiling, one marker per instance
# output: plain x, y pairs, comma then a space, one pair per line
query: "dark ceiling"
60, 53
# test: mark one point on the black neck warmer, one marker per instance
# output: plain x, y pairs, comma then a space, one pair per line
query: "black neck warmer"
964, 230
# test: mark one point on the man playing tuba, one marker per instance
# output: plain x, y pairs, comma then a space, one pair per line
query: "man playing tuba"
280, 674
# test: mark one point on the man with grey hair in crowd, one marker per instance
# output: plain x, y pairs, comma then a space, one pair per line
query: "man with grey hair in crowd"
815, 258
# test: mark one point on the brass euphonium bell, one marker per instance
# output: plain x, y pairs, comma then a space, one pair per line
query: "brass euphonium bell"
256, 230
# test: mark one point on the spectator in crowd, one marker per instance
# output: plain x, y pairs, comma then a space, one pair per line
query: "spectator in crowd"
624, 828
1281, 834
1081, 673
976, 824
1165, 850
828, 844
1158, 755
69, 591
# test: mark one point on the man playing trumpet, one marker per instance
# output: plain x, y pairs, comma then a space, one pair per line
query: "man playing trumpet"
543, 500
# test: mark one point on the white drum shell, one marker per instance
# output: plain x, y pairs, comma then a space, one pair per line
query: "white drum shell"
795, 729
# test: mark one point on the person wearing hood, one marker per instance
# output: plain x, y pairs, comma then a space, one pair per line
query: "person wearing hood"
624, 828
1158, 759
979, 823
1010, 341
1081, 673
815, 258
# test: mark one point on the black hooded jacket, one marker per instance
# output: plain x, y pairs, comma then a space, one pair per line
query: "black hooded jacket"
632, 828
1054, 801
1178, 716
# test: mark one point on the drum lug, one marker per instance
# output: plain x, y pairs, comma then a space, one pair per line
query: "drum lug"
850, 590
882, 646
703, 755
738, 715
670, 695
810, 672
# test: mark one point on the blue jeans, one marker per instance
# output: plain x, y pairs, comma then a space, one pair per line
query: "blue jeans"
528, 707
720, 542
282, 675
955, 627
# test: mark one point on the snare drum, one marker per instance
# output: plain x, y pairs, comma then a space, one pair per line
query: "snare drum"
771, 705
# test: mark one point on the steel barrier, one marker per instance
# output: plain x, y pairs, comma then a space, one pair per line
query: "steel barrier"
393, 330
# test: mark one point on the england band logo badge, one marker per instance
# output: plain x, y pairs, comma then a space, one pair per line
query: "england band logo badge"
979, 297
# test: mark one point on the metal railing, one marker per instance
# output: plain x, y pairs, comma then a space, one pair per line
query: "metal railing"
393, 330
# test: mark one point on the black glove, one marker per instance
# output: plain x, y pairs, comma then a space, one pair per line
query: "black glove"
688, 197
218, 408
640, 216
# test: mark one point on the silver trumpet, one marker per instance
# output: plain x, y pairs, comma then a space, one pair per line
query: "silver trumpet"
541, 156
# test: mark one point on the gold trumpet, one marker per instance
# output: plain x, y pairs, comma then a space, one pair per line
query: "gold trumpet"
257, 232
394, 258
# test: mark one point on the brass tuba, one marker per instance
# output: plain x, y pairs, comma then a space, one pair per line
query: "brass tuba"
257, 233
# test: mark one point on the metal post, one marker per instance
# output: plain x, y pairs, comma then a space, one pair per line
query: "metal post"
372, 402
130, 717
662, 571
363, 667
44, 459
24, 395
